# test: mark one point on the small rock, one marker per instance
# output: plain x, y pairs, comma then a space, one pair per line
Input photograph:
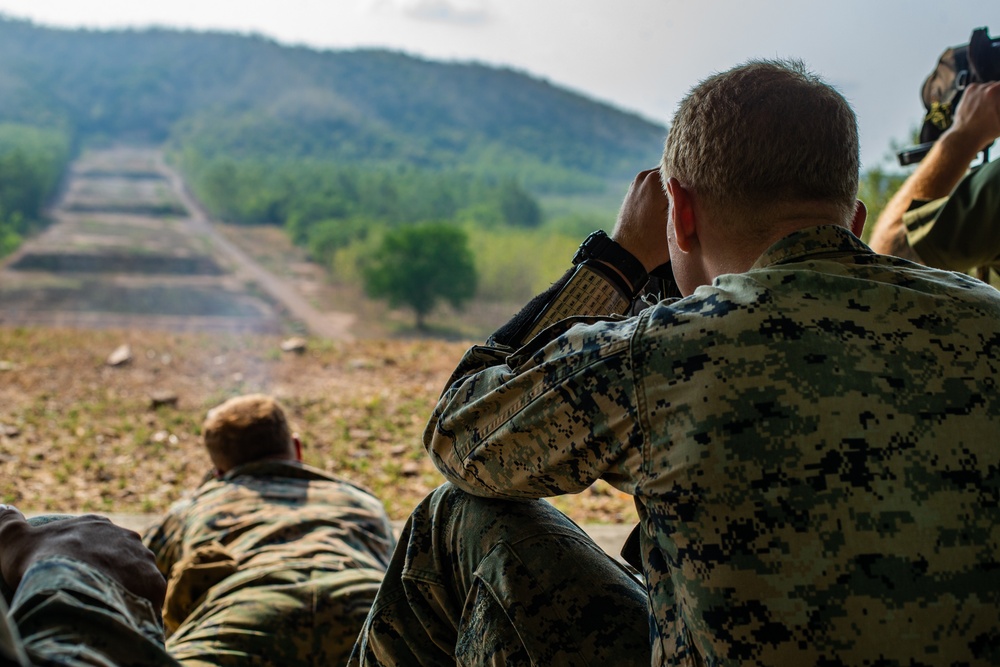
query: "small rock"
121, 356
411, 469
160, 398
296, 345
7, 365
9, 431
360, 364
399, 450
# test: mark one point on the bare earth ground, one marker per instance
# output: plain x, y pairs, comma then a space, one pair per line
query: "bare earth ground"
79, 435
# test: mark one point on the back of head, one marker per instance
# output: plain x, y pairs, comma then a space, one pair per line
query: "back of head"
245, 429
762, 134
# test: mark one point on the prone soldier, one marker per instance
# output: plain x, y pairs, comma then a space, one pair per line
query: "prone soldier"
270, 561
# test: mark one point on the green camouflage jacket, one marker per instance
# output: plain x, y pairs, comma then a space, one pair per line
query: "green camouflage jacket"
960, 231
277, 514
275, 563
812, 447
67, 613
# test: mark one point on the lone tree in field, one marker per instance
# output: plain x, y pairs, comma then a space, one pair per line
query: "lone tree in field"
420, 265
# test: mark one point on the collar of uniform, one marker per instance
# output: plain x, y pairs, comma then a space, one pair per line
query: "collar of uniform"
812, 243
278, 468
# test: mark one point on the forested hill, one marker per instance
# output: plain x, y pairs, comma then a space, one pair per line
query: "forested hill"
245, 96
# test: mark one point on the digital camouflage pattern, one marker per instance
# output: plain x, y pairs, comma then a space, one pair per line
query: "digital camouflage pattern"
812, 447
277, 563
67, 613
486, 582
960, 231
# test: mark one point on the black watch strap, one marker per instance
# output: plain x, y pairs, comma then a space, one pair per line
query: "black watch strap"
602, 247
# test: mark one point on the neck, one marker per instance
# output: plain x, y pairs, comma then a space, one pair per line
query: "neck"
735, 252
220, 471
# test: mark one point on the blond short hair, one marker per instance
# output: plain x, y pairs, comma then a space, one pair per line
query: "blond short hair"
244, 429
762, 134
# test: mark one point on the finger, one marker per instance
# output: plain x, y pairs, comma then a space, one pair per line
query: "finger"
8, 512
11, 519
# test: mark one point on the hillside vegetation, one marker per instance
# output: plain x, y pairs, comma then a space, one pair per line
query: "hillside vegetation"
248, 97
338, 148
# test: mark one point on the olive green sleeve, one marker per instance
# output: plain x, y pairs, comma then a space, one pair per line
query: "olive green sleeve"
961, 231
67, 613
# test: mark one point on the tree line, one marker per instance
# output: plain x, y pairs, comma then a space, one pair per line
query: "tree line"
32, 163
407, 225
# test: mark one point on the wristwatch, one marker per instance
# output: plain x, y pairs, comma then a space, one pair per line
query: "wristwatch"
599, 246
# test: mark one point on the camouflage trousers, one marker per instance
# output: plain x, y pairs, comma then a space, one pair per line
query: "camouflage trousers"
287, 616
476, 581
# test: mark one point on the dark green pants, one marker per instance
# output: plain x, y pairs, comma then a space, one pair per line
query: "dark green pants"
477, 581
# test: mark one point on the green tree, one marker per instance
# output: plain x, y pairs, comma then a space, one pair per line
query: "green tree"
32, 161
419, 266
875, 189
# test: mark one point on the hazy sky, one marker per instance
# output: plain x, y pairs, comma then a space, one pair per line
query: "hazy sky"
641, 55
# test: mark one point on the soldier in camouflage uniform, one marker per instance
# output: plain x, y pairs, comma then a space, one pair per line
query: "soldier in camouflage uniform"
944, 215
78, 591
809, 433
270, 561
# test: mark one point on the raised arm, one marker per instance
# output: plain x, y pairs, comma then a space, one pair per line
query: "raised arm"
976, 125
551, 419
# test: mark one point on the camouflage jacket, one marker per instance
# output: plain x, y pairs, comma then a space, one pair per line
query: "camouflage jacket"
272, 516
67, 613
960, 231
811, 446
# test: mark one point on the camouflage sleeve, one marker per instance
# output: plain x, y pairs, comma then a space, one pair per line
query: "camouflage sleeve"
960, 232
165, 538
66, 613
552, 419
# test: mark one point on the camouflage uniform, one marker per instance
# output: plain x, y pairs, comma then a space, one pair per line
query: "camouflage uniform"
811, 446
67, 613
276, 563
463, 588
960, 231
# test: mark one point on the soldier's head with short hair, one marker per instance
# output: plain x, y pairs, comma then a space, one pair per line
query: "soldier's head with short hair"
248, 428
764, 133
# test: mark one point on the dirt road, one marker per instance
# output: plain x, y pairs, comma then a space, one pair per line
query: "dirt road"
131, 248
332, 325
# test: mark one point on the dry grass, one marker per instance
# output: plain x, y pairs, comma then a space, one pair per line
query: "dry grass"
78, 435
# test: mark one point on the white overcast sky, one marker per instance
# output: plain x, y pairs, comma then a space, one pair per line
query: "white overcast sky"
640, 55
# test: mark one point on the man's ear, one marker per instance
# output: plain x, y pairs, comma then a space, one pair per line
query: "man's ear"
858, 221
298, 448
682, 215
